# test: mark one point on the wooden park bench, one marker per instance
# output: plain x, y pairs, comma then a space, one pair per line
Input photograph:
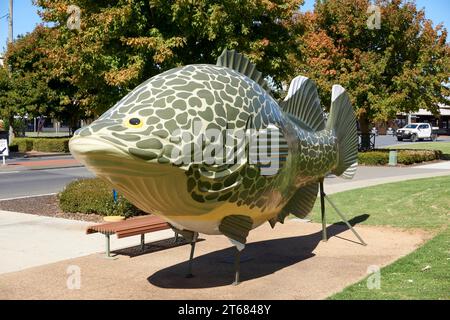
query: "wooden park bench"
130, 227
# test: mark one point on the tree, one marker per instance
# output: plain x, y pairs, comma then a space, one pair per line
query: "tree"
124, 42
35, 90
400, 67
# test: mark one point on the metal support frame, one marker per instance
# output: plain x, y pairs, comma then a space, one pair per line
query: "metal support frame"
323, 197
322, 210
191, 256
108, 246
237, 267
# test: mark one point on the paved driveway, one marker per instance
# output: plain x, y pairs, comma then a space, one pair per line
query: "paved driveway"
385, 141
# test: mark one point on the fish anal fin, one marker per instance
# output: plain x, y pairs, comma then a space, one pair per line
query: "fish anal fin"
273, 222
302, 202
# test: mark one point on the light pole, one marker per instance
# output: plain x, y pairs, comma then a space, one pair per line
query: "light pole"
10, 40
10, 22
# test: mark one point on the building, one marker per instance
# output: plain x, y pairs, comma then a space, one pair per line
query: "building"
442, 121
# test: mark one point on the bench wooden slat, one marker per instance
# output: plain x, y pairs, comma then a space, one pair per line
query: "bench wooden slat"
132, 226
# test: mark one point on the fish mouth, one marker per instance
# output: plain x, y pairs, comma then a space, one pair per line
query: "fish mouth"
153, 187
106, 159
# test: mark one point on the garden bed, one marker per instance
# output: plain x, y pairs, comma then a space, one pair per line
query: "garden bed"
86, 199
45, 206
94, 196
40, 144
406, 157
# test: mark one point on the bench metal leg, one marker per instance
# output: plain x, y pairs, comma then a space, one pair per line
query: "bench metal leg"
108, 248
237, 267
142, 242
176, 237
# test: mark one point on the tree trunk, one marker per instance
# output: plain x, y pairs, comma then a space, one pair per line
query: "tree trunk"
365, 132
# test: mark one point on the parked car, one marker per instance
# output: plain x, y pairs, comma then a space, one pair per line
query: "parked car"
417, 131
390, 132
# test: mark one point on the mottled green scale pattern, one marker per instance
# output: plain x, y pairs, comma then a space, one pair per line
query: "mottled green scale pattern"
219, 98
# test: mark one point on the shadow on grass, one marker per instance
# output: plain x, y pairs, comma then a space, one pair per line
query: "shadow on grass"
259, 259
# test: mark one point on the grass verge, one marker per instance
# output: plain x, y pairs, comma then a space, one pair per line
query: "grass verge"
423, 274
423, 204
416, 204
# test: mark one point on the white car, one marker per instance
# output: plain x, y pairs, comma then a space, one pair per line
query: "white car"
417, 131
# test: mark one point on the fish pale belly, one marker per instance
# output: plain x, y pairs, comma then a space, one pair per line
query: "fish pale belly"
209, 223
169, 199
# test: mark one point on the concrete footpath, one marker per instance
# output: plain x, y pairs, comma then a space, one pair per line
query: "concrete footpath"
289, 262
40, 162
372, 176
28, 240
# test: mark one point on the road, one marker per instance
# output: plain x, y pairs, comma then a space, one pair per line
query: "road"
385, 141
36, 182
26, 182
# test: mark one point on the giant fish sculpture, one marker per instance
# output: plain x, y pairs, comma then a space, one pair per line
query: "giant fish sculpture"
153, 147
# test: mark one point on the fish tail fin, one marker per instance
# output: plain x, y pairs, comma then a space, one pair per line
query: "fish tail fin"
342, 122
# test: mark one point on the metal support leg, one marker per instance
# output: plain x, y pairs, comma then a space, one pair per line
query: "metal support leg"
176, 237
322, 208
237, 267
142, 242
191, 257
345, 220
108, 249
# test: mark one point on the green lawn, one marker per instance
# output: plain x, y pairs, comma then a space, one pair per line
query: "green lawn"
405, 279
423, 204
443, 146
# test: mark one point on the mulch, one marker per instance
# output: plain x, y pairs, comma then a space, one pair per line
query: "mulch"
45, 206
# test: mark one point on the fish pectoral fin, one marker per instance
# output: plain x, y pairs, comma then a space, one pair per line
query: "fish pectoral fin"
301, 203
236, 61
236, 228
189, 236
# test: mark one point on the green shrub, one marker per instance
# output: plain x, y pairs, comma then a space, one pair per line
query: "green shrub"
94, 196
23, 144
42, 144
51, 144
408, 157
405, 157
373, 158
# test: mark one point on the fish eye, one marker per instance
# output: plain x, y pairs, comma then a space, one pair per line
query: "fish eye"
134, 123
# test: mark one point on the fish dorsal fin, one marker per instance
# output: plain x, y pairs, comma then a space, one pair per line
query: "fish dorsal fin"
238, 62
303, 103
301, 203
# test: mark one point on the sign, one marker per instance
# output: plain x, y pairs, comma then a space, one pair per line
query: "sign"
4, 151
